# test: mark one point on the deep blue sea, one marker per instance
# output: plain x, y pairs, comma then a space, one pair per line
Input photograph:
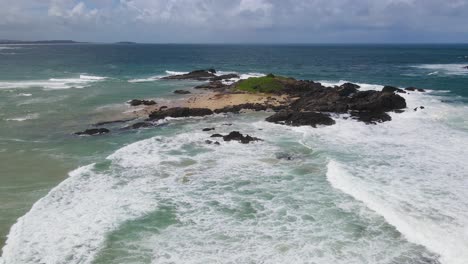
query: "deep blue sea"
390, 193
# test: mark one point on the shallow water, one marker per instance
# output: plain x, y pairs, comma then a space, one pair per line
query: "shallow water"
351, 193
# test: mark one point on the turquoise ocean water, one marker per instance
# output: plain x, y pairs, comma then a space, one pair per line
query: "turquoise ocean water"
353, 193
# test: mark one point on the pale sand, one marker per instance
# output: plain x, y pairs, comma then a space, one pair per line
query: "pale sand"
217, 100
209, 100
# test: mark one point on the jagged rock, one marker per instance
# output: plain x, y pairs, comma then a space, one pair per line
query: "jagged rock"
193, 75
182, 92
237, 136
238, 108
391, 89
350, 85
347, 89
283, 156
301, 118
371, 117
162, 107
179, 112
93, 132
414, 89
249, 106
137, 102
225, 77
416, 109
337, 100
208, 129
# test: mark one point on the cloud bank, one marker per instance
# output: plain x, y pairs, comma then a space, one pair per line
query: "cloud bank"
221, 21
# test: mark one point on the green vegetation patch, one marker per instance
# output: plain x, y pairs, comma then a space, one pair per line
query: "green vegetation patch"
266, 84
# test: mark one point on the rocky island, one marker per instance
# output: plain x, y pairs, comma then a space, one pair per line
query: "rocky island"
292, 102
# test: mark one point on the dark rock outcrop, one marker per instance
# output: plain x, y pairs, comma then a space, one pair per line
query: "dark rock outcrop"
137, 102
182, 92
112, 122
213, 85
391, 89
348, 89
330, 100
93, 132
465, 67
179, 112
370, 117
238, 108
216, 135
412, 89
200, 75
208, 129
237, 136
301, 118
225, 77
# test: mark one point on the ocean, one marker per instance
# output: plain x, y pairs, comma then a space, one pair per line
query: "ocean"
395, 192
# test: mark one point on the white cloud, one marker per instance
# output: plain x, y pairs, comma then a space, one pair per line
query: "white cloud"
204, 20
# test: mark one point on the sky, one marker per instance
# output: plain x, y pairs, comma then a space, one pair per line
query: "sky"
237, 21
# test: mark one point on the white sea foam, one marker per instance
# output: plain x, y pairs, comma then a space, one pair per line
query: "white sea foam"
9, 48
24, 118
155, 77
175, 72
238, 203
53, 83
246, 209
219, 73
149, 79
242, 76
412, 171
446, 69
25, 94
364, 86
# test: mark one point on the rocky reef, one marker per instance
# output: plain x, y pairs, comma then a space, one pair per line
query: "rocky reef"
303, 102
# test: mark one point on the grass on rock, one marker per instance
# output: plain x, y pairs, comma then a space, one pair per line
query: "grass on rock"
266, 84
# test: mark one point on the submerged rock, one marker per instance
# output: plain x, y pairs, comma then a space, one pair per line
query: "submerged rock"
182, 92
237, 136
179, 112
93, 132
141, 125
137, 102
208, 129
301, 118
414, 89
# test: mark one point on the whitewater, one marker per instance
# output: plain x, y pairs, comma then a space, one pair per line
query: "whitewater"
349, 193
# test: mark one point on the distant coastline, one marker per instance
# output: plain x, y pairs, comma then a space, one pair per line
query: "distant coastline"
39, 42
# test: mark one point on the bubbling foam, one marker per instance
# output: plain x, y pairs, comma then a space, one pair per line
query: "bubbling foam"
412, 171
53, 83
